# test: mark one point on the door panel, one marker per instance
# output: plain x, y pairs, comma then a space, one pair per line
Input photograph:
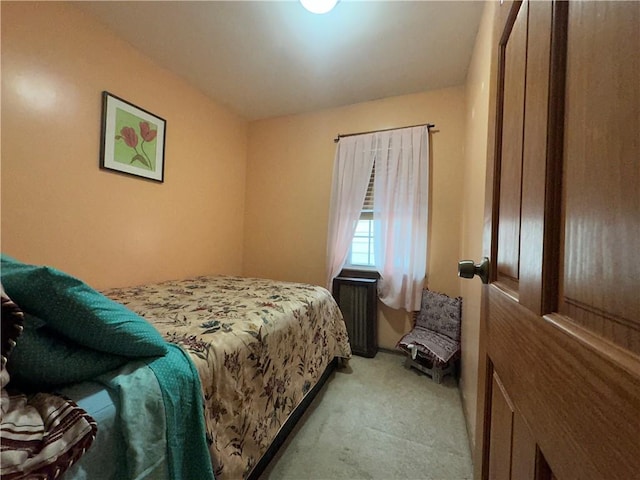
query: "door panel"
511, 168
602, 203
523, 450
501, 432
534, 166
560, 352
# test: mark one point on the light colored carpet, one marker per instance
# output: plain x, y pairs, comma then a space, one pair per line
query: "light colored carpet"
376, 419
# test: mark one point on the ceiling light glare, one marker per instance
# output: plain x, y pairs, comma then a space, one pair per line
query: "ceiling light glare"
319, 6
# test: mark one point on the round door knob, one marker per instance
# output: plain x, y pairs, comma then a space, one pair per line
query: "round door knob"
468, 269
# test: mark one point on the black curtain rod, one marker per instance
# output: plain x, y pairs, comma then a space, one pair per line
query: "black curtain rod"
337, 139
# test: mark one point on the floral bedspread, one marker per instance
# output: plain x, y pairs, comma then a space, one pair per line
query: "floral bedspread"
259, 347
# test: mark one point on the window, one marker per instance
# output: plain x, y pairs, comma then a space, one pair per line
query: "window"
361, 253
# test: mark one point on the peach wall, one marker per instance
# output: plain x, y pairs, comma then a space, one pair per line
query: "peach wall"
475, 158
59, 208
289, 168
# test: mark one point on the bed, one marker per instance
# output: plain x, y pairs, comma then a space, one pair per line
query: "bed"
256, 348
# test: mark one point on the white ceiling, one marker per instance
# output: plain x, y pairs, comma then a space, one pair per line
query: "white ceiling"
271, 58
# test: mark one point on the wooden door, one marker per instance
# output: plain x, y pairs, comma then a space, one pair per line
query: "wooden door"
560, 334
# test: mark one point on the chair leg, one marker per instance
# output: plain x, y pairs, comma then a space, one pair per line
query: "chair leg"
436, 374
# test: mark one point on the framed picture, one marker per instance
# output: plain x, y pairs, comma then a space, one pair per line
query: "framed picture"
132, 139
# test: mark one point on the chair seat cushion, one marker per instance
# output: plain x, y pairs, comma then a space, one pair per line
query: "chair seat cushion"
434, 345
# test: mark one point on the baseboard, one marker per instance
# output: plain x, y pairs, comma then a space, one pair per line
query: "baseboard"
392, 350
465, 413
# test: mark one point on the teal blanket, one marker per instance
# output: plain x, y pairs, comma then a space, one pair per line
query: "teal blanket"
182, 394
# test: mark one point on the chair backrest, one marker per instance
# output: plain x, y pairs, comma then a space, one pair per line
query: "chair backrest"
440, 313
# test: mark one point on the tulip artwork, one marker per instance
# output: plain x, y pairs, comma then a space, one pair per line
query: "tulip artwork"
133, 139
129, 136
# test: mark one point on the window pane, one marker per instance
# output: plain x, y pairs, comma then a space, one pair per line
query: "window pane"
362, 229
362, 244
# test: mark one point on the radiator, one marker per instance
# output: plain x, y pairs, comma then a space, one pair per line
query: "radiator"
357, 299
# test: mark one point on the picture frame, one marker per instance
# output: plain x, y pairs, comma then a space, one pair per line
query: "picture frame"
133, 139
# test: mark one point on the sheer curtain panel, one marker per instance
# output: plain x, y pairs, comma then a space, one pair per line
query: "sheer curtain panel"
401, 209
351, 171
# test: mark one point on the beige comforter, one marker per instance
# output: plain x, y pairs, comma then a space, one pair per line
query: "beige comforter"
259, 347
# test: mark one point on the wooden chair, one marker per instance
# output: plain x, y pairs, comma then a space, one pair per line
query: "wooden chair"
433, 346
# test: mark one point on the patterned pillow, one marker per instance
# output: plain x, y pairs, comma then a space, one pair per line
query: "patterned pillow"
12, 324
43, 359
78, 312
440, 313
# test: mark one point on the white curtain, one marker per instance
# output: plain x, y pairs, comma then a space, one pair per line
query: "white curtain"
401, 209
351, 172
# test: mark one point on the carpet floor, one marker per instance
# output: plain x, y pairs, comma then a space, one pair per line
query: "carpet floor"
376, 419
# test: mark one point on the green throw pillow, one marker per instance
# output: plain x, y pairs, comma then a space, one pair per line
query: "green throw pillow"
43, 358
72, 308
